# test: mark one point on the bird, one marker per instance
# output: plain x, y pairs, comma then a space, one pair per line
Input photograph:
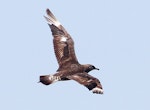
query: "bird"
69, 67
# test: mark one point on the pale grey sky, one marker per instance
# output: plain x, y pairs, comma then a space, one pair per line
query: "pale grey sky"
113, 35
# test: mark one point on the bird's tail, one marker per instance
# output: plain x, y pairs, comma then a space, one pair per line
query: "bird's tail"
51, 19
48, 79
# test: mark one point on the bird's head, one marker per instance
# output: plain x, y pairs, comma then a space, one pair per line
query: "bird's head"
89, 68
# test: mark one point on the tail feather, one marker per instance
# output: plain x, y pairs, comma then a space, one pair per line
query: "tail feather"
48, 79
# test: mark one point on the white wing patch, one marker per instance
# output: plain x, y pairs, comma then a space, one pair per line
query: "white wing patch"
97, 90
57, 23
63, 39
51, 21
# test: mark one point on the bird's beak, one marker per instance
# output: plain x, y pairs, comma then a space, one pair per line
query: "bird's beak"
97, 68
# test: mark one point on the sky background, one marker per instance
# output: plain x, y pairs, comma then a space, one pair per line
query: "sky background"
113, 35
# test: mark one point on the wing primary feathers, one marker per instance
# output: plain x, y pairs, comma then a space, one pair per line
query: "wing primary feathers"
88, 81
51, 19
50, 14
55, 30
91, 86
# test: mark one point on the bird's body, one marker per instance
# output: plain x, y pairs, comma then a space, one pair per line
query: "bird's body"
69, 67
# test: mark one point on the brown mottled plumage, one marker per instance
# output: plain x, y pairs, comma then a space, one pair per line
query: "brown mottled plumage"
69, 67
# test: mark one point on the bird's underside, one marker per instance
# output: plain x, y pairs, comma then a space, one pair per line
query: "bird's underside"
69, 67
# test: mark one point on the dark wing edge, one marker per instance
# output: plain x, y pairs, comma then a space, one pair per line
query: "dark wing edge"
63, 43
88, 81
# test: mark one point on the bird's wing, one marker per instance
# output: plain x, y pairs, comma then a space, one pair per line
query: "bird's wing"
88, 81
63, 43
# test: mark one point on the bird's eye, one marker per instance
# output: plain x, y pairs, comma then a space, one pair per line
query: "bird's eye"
91, 67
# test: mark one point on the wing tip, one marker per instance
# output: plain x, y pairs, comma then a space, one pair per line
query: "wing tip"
48, 11
97, 90
51, 19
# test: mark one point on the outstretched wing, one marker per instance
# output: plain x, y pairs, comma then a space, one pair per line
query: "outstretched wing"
88, 81
63, 43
